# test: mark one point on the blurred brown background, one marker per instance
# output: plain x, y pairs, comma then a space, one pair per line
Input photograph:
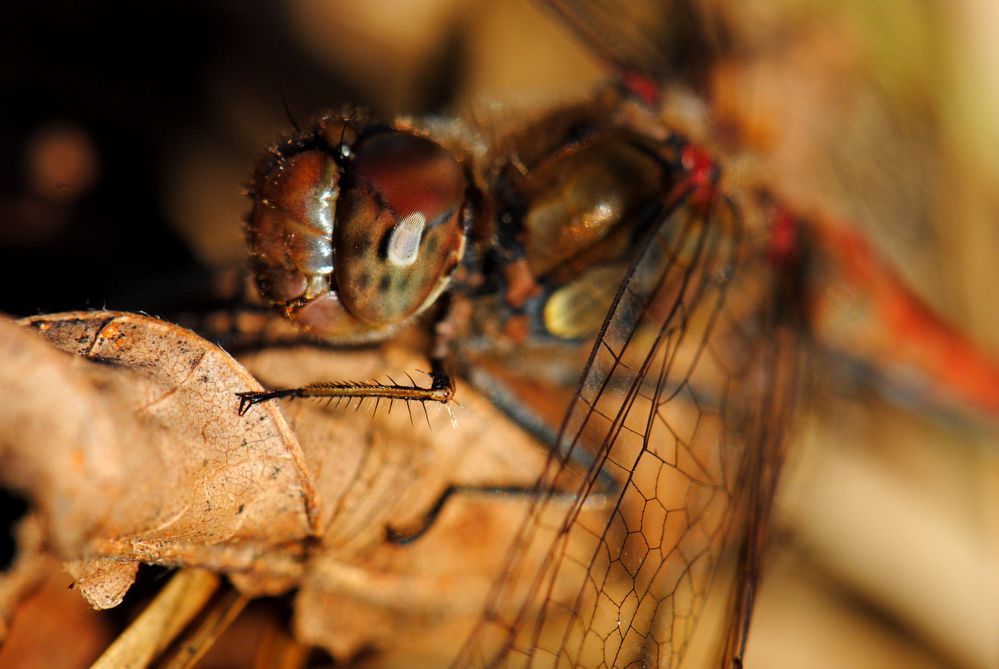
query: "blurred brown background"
128, 131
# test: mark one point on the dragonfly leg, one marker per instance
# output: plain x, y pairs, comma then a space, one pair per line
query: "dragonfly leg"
441, 387
407, 535
441, 390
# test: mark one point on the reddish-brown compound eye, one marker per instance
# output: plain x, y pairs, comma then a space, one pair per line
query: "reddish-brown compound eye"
399, 228
290, 230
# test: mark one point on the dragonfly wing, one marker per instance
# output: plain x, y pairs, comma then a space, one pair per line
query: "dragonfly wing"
765, 436
646, 42
661, 444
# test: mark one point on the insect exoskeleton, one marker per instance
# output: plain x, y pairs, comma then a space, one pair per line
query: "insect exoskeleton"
356, 226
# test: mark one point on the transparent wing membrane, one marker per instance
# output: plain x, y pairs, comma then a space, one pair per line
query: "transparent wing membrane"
644, 43
669, 408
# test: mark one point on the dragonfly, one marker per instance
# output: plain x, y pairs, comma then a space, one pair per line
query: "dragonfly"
614, 267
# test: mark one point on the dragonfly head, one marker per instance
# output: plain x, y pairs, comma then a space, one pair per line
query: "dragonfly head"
356, 227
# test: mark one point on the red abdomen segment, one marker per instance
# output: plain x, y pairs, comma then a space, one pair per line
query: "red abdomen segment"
861, 307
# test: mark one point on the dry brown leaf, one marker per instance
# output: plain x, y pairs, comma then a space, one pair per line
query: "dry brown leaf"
128, 442
412, 603
147, 410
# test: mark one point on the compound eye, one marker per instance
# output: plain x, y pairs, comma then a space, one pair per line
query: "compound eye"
398, 232
290, 229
